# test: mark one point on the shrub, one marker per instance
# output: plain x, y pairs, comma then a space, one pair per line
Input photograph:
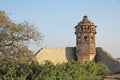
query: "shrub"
73, 70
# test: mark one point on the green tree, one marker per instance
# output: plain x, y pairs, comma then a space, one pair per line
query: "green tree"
65, 71
14, 39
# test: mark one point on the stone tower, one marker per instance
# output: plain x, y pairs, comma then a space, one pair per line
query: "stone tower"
85, 40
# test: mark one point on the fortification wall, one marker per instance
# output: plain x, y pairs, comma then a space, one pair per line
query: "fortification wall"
60, 55
55, 55
106, 58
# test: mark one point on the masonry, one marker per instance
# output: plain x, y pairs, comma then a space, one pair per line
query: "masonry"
85, 32
56, 55
62, 55
85, 49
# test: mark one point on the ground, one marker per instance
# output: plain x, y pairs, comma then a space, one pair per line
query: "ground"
113, 77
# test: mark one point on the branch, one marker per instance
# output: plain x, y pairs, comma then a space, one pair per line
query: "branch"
11, 42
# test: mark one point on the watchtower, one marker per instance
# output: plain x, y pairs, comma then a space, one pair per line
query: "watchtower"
85, 40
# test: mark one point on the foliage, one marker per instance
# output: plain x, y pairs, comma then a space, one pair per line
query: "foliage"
14, 38
66, 71
15, 57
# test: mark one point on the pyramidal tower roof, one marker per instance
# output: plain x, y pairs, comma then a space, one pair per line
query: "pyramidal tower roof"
85, 22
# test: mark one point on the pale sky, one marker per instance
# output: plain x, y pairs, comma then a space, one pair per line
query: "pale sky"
56, 20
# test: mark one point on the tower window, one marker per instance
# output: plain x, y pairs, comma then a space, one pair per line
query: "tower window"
85, 28
92, 39
79, 38
88, 27
82, 29
85, 38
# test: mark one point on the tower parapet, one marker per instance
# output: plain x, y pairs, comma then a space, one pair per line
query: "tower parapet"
85, 40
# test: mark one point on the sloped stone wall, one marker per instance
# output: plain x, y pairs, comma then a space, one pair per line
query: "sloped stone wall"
60, 55
106, 58
55, 55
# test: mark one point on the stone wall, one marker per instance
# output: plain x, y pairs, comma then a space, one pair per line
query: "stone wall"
60, 55
55, 55
106, 58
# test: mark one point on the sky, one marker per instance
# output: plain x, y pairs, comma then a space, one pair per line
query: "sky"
56, 20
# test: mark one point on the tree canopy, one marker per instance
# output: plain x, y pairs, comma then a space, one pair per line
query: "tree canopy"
66, 71
14, 38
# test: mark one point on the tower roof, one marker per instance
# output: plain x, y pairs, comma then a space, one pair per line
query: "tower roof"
85, 22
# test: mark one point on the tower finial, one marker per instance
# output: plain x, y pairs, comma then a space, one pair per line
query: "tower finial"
85, 17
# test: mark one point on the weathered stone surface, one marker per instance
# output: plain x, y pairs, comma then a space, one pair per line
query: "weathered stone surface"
85, 32
106, 58
55, 55
85, 49
60, 55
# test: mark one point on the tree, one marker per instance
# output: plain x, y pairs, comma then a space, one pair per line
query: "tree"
14, 38
66, 71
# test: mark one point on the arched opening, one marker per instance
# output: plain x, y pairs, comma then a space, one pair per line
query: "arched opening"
85, 38
88, 27
91, 39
